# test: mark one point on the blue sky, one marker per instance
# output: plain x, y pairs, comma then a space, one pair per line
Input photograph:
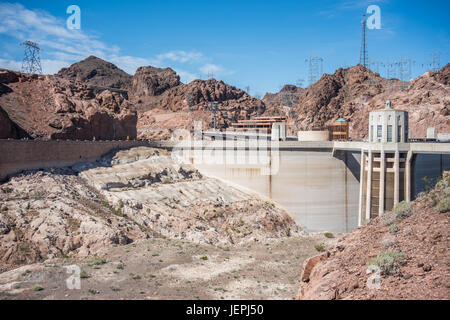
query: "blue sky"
260, 44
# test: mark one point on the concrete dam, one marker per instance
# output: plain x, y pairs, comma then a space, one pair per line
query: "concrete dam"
318, 184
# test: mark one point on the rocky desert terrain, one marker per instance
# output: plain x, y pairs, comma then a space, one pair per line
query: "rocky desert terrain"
128, 196
140, 226
168, 269
406, 250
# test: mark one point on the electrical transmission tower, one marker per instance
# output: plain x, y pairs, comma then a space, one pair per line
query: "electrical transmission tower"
404, 67
436, 64
390, 70
364, 55
315, 69
213, 107
31, 60
377, 65
189, 101
299, 83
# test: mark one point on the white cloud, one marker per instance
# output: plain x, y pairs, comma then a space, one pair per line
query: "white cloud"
186, 76
128, 63
63, 47
53, 66
181, 56
215, 69
10, 64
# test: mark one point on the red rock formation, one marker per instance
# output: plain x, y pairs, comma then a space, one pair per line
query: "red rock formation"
149, 82
97, 72
8, 129
282, 101
356, 91
49, 107
180, 106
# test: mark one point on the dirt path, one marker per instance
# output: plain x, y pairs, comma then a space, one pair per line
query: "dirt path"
170, 269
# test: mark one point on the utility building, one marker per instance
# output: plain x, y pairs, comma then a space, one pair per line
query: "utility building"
340, 130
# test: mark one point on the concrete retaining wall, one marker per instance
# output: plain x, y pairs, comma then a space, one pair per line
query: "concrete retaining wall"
17, 155
313, 136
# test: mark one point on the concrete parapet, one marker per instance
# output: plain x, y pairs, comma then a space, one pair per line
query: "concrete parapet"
20, 155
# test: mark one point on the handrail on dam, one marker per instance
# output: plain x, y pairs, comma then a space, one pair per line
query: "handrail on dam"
427, 148
416, 148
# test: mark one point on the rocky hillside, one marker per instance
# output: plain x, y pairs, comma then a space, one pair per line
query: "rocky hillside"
97, 72
402, 255
71, 104
150, 82
356, 91
181, 105
288, 97
283, 103
49, 107
126, 197
9, 129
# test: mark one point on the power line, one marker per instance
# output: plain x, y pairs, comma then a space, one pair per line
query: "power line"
377, 65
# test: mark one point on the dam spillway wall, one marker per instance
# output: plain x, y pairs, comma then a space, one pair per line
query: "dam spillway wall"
320, 190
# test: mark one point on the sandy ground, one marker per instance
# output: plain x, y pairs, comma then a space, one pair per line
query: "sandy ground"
170, 270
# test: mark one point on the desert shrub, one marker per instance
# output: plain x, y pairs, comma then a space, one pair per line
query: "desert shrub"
166, 180
444, 205
120, 266
393, 228
37, 288
402, 210
443, 185
7, 190
329, 235
320, 247
389, 262
388, 219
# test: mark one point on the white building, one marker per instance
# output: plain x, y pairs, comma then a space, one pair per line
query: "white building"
388, 125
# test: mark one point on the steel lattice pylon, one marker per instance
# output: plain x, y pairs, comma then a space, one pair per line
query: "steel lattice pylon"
315, 69
31, 60
364, 55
